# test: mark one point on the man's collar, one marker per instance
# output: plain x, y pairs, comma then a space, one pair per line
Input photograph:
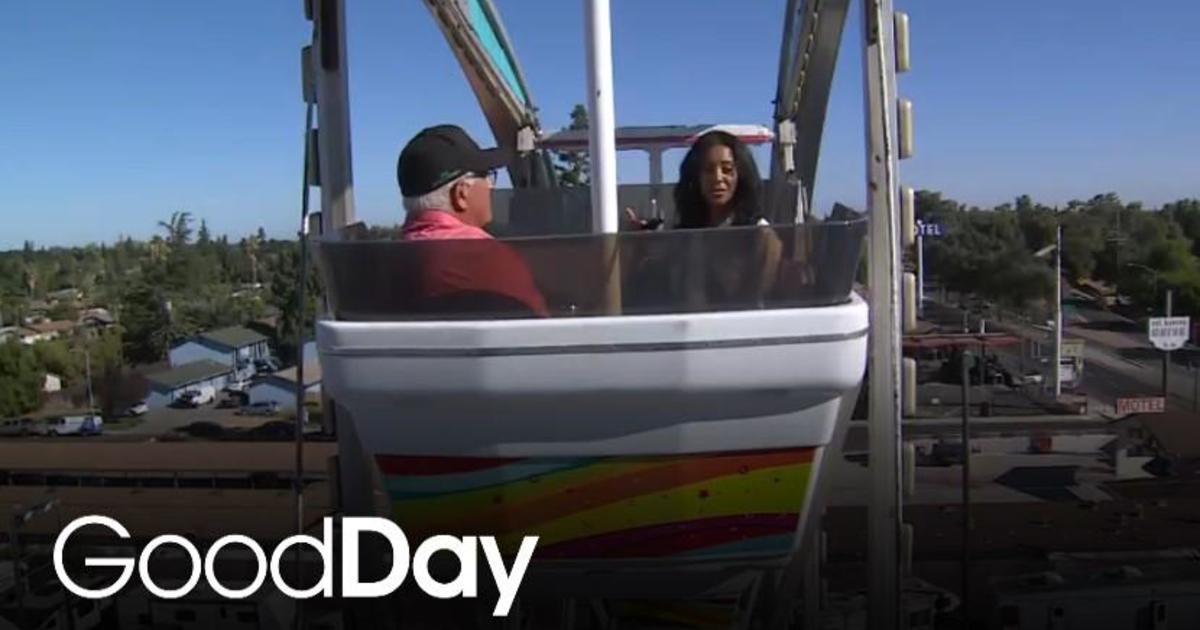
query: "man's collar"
440, 217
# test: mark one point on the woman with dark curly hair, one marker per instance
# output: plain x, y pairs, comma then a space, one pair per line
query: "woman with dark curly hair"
718, 184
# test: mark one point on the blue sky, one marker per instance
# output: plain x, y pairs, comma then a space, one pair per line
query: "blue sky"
117, 113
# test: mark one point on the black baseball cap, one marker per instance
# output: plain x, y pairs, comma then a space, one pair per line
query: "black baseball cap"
438, 155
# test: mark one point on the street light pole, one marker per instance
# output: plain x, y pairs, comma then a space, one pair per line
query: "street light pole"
966, 486
87, 362
1058, 315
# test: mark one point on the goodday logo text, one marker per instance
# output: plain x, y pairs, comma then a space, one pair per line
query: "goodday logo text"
507, 580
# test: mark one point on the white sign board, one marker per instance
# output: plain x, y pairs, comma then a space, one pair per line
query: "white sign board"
930, 229
1066, 373
1169, 333
1152, 404
1072, 349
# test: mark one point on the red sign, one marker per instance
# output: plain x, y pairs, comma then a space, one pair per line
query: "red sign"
1152, 404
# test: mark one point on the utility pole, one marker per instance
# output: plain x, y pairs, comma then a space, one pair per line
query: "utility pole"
1166, 353
920, 271
966, 487
87, 363
1058, 315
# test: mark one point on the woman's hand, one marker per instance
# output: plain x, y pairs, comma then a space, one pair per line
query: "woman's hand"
637, 223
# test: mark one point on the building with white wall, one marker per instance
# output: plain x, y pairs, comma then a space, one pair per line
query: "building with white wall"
280, 386
235, 346
167, 386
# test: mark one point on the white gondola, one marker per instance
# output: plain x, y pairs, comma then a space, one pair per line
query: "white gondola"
660, 452
662, 431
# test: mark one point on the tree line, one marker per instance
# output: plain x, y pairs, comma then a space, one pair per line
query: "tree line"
184, 280
181, 281
1139, 252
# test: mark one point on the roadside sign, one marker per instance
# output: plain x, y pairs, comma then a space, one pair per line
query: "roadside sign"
1072, 349
1169, 333
930, 229
1066, 373
1150, 404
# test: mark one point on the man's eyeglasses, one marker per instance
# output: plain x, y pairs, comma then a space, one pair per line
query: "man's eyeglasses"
488, 175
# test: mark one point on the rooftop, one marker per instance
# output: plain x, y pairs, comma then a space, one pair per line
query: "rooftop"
640, 137
189, 373
233, 336
61, 325
1175, 431
100, 315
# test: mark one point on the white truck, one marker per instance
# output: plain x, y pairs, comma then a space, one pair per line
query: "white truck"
198, 396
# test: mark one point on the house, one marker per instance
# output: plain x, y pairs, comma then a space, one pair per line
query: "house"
1098, 292
280, 386
69, 294
236, 347
167, 386
98, 318
46, 331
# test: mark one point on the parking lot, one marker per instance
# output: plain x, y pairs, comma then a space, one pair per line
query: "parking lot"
163, 422
158, 421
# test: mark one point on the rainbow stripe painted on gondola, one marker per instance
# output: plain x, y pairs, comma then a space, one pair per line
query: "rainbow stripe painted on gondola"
702, 506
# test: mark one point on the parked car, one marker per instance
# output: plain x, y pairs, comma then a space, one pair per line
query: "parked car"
91, 424
198, 396
137, 409
1032, 378
264, 408
15, 426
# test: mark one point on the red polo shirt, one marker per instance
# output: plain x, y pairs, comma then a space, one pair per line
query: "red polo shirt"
469, 261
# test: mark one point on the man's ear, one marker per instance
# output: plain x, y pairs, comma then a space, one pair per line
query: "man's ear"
458, 196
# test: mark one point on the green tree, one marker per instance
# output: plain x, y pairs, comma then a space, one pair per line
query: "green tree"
20, 379
203, 238
283, 297
147, 327
251, 247
63, 310
110, 378
178, 228
573, 167
55, 357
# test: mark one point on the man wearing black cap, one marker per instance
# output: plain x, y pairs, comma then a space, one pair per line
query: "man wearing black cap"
446, 181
